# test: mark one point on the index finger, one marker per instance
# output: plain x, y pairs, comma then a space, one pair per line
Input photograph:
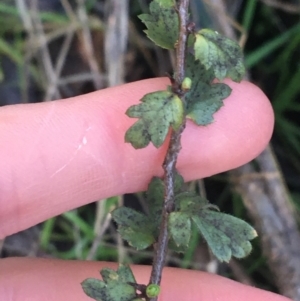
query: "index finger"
58, 155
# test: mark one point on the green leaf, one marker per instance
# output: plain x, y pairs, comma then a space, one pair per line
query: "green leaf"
222, 55
157, 112
162, 23
134, 227
113, 291
114, 286
142, 230
95, 289
180, 228
204, 98
226, 235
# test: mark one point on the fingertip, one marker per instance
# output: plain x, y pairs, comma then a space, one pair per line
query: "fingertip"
241, 130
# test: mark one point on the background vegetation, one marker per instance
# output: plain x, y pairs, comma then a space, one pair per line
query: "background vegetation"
60, 48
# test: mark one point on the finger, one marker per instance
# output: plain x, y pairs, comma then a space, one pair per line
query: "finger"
59, 155
57, 280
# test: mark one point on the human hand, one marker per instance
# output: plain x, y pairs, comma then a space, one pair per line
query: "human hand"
59, 155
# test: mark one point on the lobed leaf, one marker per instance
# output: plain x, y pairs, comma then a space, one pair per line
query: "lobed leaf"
134, 227
162, 23
226, 235
204, 98
157, 112
220, 54
114, 286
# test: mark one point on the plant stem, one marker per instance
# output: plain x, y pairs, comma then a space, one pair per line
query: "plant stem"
173, 150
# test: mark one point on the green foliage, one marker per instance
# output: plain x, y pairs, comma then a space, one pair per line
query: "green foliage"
157, 112
135, 227
162, 23
114, 286
205, 97
226, 235
138, 229
221, 54
141, 230
213, 56
180, 228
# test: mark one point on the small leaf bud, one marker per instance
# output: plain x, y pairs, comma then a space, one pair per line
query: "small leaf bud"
186, 84
152, 290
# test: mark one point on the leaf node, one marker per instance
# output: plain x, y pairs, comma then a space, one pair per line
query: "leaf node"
141, 230
205, 97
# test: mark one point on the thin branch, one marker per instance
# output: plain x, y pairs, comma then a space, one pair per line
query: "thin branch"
53, 87
88, 44
100, 231
116, 38
45, 53
78, 78
183, 35
122, 254
173, 150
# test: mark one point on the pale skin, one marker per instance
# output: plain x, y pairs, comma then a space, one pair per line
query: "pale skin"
59, 155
